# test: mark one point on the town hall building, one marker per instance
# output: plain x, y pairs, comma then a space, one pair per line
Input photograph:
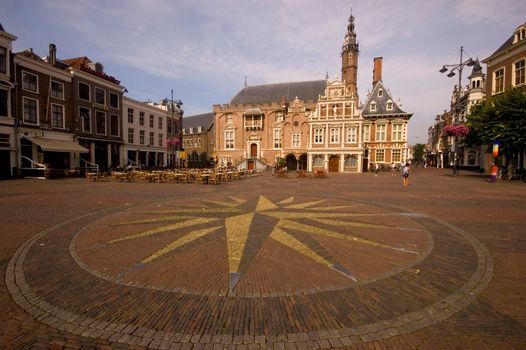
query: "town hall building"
312, 124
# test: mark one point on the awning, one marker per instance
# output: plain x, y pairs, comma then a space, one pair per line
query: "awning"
53, 145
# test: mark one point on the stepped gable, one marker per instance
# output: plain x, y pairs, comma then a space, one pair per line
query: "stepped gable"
204, 120
304, 90
381, 103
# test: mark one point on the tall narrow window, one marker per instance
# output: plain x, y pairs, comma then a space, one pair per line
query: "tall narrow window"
318, 135
85, 116
160, 139
57, 116
335, 135
397, 132
141, 137
3, 60
130, 115
277, 138
57, 90
152, 120
30, 111
131, 135
100, 96
29, 82
100, 118
114, 100
366, 133
160, 123
351, 135
380, 132
499, 80
519, 72
380, 155
3, 103
84, 91
152, 137
114, 125
295, 140
141, 118
229, 139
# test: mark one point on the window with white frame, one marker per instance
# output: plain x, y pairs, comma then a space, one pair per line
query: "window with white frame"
30, 110
130, 115
114, 100
100, 122
389, 106
396, 155
84, 91
277, 138
380, 132
372, 107
114, 125
57, 116
398, 132
380, 155
351, 134
141, 137
85, 116
57, 90
295, 140
498, 81
334, 135
29, 82
519, 72
100, 96
131, 135
3, 60
229, 139
366, 132
318, 135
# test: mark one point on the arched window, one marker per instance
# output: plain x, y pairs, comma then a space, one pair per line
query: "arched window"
351, 161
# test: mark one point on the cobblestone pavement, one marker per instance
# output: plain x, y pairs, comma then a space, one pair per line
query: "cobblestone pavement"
351, 261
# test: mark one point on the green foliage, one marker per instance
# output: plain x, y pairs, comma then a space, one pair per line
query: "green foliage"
501, 118
418, 151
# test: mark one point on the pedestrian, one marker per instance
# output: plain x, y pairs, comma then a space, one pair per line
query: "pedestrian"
376, 169
393, 169
405, 174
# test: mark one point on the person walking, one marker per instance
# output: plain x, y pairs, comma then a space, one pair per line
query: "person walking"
405, 174
376, 169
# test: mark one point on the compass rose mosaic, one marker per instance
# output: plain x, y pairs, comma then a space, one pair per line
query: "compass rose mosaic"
254, 246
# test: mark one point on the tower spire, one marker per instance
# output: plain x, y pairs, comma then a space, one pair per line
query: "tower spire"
349, 55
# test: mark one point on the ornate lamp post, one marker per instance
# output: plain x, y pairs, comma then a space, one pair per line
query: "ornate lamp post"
457, 118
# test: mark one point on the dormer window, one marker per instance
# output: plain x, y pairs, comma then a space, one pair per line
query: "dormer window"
199, 128
389, 106
380, 93
520, 34
372, 107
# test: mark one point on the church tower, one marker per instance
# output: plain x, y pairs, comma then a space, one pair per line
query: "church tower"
350, 60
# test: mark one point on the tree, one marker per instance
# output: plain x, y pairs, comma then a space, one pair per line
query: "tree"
499, 119
418, 152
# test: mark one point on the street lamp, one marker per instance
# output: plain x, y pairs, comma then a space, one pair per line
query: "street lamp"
452, 68
174, 142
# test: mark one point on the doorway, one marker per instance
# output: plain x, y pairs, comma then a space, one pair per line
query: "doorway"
292, 163
253, 150
334, 164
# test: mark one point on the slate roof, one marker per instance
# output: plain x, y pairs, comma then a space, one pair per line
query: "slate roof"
2, 28
205, 120
381, 104
304, 90
507, 44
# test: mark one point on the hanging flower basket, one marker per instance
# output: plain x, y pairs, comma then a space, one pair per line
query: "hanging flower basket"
456, 130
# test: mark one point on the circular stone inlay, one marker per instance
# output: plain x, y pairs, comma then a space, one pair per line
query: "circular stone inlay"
251, 246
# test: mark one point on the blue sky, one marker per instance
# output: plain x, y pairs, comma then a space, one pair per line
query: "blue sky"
203, 49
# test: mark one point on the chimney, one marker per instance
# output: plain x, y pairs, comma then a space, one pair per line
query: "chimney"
377, 70
52, 58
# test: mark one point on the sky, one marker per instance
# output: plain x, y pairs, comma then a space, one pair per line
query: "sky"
204, 49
